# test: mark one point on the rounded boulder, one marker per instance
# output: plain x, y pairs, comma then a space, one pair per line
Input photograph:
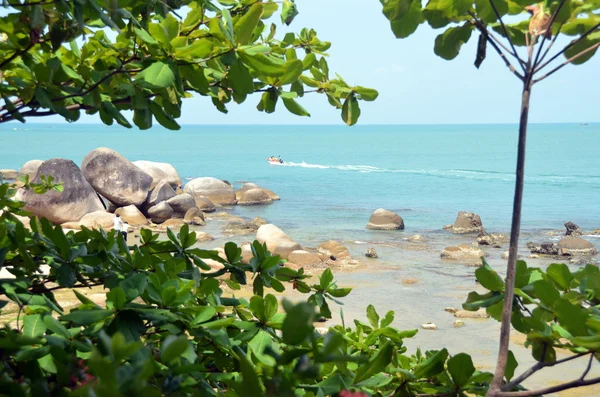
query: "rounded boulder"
254, 197
248, 186
204, 204
304, 258
576, 246
334, 248
161, 192
115, 177
30, 168
132, 215
160, 172
181, 204
385, 220
161, 212
214, 189
272, 236
77, 198
467, 222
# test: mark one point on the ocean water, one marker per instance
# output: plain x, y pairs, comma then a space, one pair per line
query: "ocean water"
335, 176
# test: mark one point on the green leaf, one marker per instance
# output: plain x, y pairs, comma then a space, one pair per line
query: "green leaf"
226, 26
432, 366
350, 110
247, 23
561, 276
33, 325
511, 366
117, 297
298, 323
263, 65
488, 278
376, 364
476, 301
373, 316
171, 26
289, 11
572, 318
486, 12
326, 279
86, 317
461, 368
294, 107
448, 44
157, 75
546, 292
366, 94
55, 326
198, 50
405, 16
172, 347
583, 50
250, 386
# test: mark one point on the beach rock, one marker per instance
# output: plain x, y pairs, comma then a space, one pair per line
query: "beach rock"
161, 192
173, 223
30, 168
191, 216
466, 222
181, 204
451, 310
334, 248
321, 331
8, 174
254, 197
160, 172
468, 314
576, 246
216, 190
504, 255
77, 198
543, 248
304, 258
462, 252
160, 212
249, 186
285, 248
371, 253
385, 220
115, 177
272, 236
247, 254
429, 326
258, 221
572, 230
493, 239
132, 215
534, 256
202, 237
239, 228
204, 204
417, 238
97, 220
458, 323
410, 281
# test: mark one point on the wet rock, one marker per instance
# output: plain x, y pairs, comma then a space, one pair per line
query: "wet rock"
203, 237
466, 222
429, 326
194, 216
132, 215
371, 253
173, 223
543, 248
254, 197
181, 203
572, 230
493, 239
451, 310
162, 192
576, 246
247, 254
249, 186
304, 258
240, 227
334, 248
258, 221
8, 174
77, 198
534, 256
417, 238
115, 177
458, 323
214, 189
385, 220
469, 314
160, 212
463, 252
410, 281
160, 172
205, 205
285, 248
30, 168
504, 255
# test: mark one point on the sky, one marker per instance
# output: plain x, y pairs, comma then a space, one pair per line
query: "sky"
415, 86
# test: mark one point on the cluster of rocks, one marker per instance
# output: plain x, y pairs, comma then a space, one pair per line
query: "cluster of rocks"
141, 192
571, 245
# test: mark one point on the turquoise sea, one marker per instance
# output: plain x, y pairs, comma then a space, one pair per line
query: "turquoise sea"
335, 176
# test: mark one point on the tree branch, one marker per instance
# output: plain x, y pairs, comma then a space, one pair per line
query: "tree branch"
550, 46
589, 366
34, 3
568, 61
16, 54
537, 57
571, 44
507, 35
553, 389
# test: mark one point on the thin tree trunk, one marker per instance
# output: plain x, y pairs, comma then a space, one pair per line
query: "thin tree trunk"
514, 243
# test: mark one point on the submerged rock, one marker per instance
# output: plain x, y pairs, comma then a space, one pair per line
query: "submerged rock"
254, 197
466, 222
429, 326
493, 239
417, 238
334, 248
249, 186
576, 246
371, 253
385, 220
203, 237
463, 252
458, 323
572, 230
468, 314
204, 204
194, 216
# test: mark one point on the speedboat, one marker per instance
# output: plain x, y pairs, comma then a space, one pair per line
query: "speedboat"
274, 161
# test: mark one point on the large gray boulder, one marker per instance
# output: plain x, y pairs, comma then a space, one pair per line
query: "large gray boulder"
205, 205
385, 220
160, 172
248, 185
132, 215
254, 197
181, 204
466, 222
77, 198
576, 246
115, 177
214, 189
161, 212
30, 168
161, 192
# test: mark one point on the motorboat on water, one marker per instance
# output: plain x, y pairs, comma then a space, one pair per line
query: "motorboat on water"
274, 160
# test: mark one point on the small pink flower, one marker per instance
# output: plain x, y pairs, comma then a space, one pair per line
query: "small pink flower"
348, 393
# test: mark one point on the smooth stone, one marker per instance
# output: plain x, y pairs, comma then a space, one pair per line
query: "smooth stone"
8, 174
254, 197
467, 222
181, 204
77, 198
429, 326
382, 219
458, 323
576, 246
371, 253
334, 248
203, 237
469, 314
204, 204
248, 185
94, 220
304, 258
272, 236
285, 248
247, 254
216, 190
115, 177
160, 212
194, 216
160, 172
132, 215
462, 252
161, 192
30, 168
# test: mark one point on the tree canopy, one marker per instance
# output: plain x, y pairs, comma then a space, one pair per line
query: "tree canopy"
68, 56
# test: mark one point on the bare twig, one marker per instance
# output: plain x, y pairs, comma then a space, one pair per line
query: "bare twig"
554, 16
553, 389
506, 33
568, 61
571, 44
588, 368
550, 45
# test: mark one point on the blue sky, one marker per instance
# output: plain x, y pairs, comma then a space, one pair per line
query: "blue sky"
415, 86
